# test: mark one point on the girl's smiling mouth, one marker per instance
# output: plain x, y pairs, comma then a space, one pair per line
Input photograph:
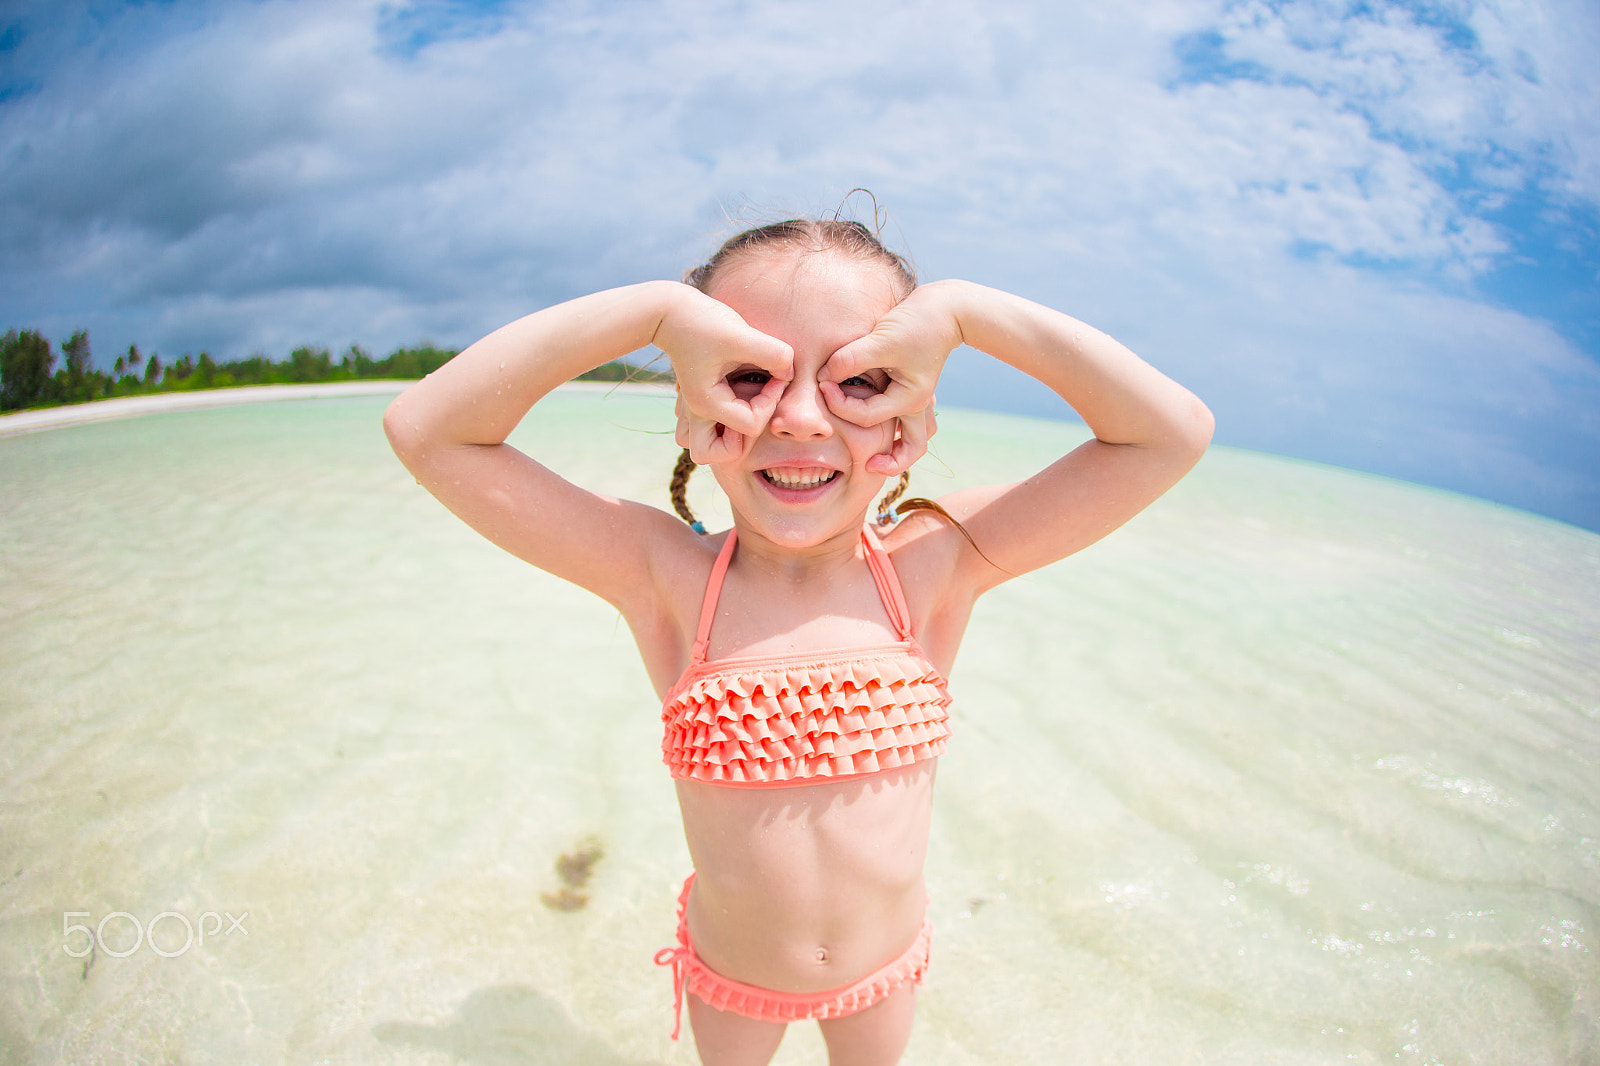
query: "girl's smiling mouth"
798, 478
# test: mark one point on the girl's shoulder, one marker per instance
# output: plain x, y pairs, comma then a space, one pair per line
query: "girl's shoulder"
929, 555
926, 550
677, 560
663, 608
934, 544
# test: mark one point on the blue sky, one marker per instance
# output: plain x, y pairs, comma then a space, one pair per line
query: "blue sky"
1365, 233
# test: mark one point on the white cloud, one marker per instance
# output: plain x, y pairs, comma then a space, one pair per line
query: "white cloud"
1504, 87
279, 173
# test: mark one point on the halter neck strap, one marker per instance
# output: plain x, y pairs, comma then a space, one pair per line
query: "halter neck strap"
888, 582
883, 576
708, 605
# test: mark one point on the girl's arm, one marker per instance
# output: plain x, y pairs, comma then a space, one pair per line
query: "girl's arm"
1148, 430
450, 428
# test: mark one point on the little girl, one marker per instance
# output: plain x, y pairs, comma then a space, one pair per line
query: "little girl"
800, 655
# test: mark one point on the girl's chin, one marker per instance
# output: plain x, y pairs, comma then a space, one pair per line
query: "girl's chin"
791, 530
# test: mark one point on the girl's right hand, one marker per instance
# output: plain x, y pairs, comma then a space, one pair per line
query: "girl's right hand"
710, 347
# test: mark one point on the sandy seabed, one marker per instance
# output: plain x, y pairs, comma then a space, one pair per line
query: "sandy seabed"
1302, 766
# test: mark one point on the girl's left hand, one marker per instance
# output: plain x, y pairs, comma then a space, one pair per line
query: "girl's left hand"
910, 345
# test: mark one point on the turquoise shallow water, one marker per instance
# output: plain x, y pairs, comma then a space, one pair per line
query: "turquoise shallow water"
1299, 767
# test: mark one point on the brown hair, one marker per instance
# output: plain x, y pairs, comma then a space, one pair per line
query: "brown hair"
679, 487
807, 235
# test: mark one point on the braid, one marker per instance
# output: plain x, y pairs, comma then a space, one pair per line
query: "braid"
887, 517
899, 490
679, 486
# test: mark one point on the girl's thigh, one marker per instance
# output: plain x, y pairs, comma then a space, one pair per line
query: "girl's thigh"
876, 1036
724, 1038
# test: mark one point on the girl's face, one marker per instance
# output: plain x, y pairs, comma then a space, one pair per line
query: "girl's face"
804, 481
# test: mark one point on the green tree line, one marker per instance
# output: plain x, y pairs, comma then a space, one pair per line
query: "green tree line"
29, 376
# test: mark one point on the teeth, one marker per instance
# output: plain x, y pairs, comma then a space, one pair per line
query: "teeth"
799, 479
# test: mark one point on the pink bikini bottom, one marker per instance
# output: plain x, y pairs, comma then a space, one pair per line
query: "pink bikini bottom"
764, 1005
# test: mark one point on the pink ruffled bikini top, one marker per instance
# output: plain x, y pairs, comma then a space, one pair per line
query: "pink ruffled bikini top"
768, 722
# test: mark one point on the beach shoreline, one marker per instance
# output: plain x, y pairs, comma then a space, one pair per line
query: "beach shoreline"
36, 420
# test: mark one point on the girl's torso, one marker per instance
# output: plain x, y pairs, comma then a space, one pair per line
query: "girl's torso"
805, 784
810, 888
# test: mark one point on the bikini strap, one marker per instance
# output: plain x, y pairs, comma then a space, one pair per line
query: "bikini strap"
888, 582
708, 605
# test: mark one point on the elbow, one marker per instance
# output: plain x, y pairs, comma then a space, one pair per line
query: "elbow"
1192, 428
405, 437
1202, 425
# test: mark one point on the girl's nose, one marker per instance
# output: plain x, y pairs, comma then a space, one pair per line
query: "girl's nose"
802, 413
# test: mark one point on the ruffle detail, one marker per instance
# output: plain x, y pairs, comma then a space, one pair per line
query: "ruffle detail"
691, 975
799, 722
767, 1006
